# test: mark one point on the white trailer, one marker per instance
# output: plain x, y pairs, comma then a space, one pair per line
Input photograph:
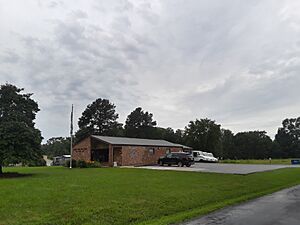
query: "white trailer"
200, 156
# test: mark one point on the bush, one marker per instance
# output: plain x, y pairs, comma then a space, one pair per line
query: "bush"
74, 164
94, 164
82, 164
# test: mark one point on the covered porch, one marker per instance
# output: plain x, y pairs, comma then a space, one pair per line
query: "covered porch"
105, 153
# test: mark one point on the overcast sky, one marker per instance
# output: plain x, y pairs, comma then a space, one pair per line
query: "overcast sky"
236, 62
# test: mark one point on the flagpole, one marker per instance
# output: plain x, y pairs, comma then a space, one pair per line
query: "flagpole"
71, 138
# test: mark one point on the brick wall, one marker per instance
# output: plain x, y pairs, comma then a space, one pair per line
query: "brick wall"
138, 155
82, 150
124, 155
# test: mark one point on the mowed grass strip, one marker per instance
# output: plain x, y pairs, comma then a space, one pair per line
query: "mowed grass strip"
127, 196
259, 161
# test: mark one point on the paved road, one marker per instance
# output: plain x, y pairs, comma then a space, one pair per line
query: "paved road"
222, 168
280, 208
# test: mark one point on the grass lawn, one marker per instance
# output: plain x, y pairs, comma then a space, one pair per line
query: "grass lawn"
127, 196
259, 161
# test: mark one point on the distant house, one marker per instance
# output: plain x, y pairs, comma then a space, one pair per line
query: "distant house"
124, 151
60, 160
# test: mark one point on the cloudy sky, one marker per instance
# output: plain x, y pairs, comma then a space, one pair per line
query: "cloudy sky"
235, 61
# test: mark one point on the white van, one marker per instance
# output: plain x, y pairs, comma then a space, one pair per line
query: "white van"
200, 156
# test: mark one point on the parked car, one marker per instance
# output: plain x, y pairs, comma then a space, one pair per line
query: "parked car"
200, 156
60, 160
177, 158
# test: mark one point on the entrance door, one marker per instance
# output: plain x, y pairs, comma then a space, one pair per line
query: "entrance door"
118, 155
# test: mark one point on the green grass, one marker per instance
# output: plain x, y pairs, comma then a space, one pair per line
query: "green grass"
259, 161
127, 196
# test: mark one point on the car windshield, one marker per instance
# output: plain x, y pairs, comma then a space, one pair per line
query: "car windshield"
169, 156
208, 154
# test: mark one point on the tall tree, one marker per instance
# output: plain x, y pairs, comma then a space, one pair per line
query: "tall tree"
99, 118
228, 147
20, 141
204, 135
179, 134
165, 134
253, 145
288, 137
140, 124
169, 135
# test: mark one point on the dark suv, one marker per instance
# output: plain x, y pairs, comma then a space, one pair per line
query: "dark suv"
176, 158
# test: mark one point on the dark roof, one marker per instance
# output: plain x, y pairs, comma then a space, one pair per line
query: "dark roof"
137, 141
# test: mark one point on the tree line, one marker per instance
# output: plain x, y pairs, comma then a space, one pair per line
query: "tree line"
20, 140
100, 118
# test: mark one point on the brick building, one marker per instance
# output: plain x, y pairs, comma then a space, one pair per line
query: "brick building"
124, 151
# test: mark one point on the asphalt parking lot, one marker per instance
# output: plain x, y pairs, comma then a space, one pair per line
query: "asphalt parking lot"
280, 208
222, 168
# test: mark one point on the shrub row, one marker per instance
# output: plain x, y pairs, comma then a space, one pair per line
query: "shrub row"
82, 164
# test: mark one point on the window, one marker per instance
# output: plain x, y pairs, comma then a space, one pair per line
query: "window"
169, 156
168, 151
151, 151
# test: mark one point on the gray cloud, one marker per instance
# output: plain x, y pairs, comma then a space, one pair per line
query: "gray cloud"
235, 62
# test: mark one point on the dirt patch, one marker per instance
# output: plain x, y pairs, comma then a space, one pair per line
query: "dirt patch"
13, 175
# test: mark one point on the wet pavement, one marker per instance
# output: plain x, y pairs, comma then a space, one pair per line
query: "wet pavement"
223, 168
280, 208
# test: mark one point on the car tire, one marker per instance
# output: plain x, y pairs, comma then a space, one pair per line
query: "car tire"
188, 165
169, 164
179, 164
